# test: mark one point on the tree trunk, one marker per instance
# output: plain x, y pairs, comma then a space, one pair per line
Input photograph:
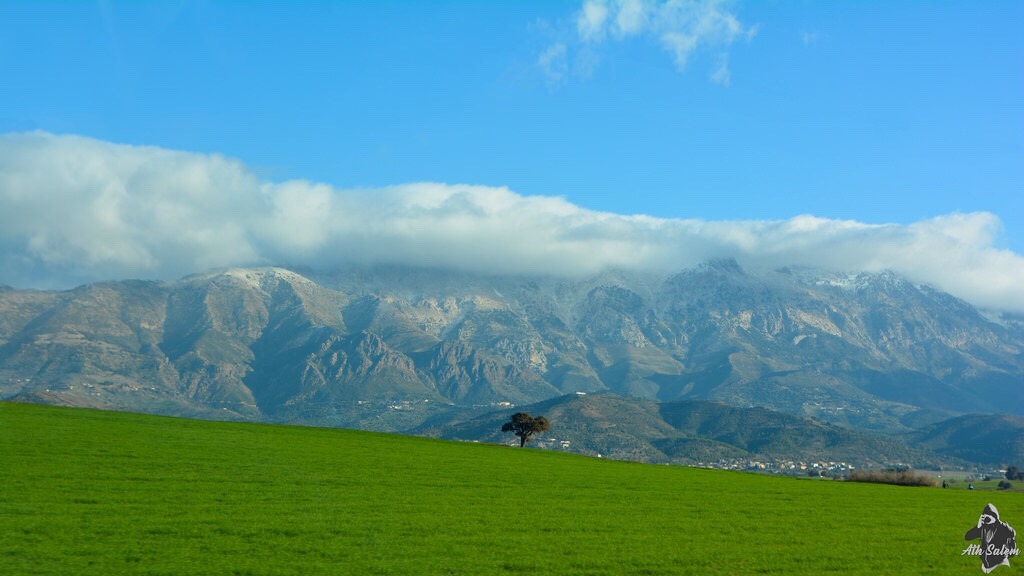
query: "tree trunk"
522, 441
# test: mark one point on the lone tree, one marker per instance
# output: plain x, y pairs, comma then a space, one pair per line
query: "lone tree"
525, 426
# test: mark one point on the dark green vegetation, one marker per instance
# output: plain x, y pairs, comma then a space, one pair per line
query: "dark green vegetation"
1013, 472
87, 492
525, 426
988, 438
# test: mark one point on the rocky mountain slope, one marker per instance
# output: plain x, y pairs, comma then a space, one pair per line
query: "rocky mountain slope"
389, 348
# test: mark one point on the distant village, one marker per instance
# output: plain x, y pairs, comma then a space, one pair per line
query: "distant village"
819, 468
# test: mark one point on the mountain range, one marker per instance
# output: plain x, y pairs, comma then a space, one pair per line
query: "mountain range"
396, 348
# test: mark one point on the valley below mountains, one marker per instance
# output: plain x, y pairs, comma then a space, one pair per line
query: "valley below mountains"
869, 368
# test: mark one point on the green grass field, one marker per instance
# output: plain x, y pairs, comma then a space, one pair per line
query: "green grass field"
88, 492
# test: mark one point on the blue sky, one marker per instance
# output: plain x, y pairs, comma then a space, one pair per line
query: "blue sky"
879, 113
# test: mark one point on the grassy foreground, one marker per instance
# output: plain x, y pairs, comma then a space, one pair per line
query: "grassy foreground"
88, 492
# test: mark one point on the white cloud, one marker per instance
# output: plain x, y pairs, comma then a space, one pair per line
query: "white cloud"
632, 18
77, 208
681, 27
553, 62
590, 23
721, 74
809, 38
74, 209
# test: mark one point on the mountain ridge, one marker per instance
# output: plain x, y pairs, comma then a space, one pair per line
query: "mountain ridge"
868, 351
693, 432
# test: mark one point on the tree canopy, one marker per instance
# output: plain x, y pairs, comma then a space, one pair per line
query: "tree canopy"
524, 426
1014, 473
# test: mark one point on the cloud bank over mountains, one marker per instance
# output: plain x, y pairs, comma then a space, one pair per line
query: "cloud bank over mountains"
75, 209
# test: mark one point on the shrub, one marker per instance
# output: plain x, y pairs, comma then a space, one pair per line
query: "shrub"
1005, 485
898, 477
